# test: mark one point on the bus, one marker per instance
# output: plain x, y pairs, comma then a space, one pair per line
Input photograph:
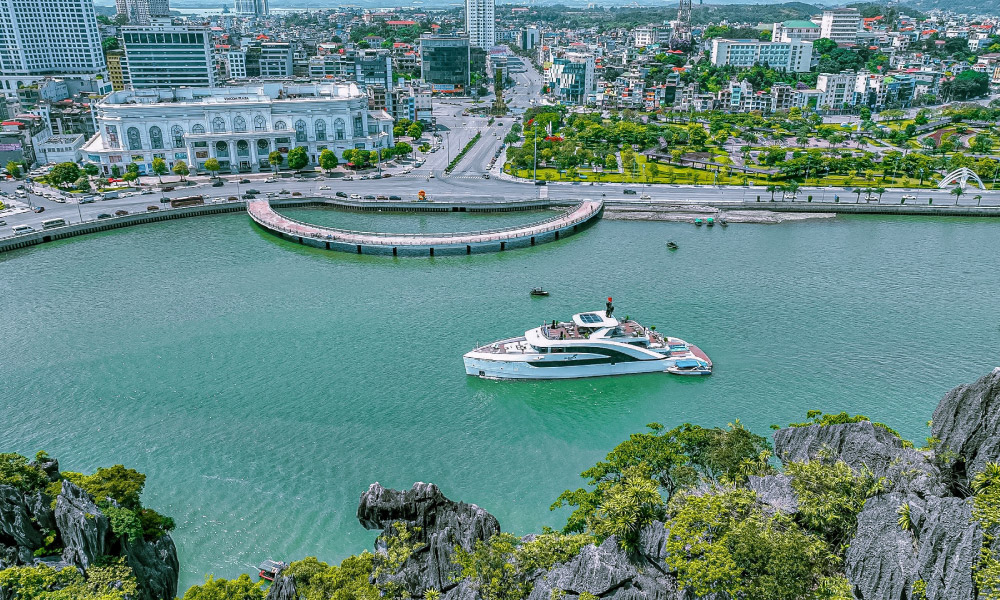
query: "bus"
187, 201
52, 223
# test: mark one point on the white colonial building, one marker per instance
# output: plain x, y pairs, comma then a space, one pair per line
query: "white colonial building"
238, 126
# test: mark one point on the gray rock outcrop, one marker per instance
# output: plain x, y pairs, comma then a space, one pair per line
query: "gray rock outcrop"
82, 526
155, 566
442, 525
967, 423
16, 525
283, 588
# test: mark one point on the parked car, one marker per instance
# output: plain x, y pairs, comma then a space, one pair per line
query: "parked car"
394, 198
341, 194
218, 183
296, 193
284, 192
252, 191
369, 196
152, 208
146, 192
232, 199
324, 187
355, 196
244, 181
38, 209
87, 200
249, 196
121, 212
270, 180
629, 192
382, 197
104, 216
384, 175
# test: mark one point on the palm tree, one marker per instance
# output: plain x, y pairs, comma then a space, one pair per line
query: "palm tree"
772, 188
987, 478
792, 187
958, 191
978, 198
880, 191
858, 192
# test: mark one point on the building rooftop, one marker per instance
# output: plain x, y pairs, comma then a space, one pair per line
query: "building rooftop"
227, 95
793, 24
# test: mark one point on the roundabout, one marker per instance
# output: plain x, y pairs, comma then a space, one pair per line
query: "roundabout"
576, 217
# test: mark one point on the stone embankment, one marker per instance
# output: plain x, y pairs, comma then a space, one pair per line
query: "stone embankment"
686, 213
940, 549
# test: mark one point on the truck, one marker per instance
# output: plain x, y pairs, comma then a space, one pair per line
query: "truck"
187, 201
110, 195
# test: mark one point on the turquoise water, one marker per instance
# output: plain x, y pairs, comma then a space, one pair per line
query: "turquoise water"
263, 386
420, 223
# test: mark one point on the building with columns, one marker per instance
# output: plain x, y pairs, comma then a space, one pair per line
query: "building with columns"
238, 126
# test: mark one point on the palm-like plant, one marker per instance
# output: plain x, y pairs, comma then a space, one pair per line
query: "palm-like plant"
958, 191
987, 478
880, 191
904, 521
858, 192
772, 188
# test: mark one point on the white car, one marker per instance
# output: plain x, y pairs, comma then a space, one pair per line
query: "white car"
270, 180
909, 197
324, 187
355, 196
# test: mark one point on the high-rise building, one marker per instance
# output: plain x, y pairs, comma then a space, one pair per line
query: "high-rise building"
786, 56
251, 7
480, 23
841, 25
276, 60
445, 62
47, 37
139, 12
571, 77
789, 31
165, 55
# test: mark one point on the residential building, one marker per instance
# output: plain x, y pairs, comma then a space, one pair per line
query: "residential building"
649, 35
248, 8
116, 69
570, 78
236, 64
166, 55
238, 126
790, 31
793, 56
880, 92
841, 25
480, 23
276, 60
39, 38
445, 62
139, 12
837, 89
330, 66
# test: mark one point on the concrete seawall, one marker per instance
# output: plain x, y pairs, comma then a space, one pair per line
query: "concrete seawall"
577, 218
846, 208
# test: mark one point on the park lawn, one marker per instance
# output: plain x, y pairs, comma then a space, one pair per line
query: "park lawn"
897, 125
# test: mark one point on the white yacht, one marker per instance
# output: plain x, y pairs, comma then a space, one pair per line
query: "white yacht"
591, 345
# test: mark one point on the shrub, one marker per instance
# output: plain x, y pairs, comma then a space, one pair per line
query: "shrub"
241, 588
16, 471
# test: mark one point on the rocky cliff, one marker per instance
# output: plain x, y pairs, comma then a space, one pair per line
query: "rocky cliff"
939, 549
76, 533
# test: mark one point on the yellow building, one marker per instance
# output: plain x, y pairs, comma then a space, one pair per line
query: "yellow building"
116, 69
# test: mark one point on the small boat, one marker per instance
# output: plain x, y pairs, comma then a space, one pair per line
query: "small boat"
711, 221
697, 222
672, 246
690, 367
723, 222
269, 569
538, 292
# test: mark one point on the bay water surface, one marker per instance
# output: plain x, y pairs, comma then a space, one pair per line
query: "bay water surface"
262, 386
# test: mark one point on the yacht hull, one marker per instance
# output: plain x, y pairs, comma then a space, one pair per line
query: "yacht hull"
517, 369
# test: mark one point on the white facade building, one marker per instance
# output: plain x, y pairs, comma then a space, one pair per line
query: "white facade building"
647, 36
48, 37
480, 23
163, 55
238, 126
789, 56
841, 25
139, 12
789, 31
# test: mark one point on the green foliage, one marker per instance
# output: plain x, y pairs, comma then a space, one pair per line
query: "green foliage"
159, 167
111, 581
628, 507
723, 543
830, 497
212, 165
63, 173
986, 510
122, 485
817, 417
674, 459
181, 168
315, 580
124, 522
298, 158
415, 130
16, 471
502, 568
454, 162
241, 588
402, 149
919, 590
328, 160
13, 169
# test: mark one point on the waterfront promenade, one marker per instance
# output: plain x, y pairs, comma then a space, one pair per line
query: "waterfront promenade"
432, 244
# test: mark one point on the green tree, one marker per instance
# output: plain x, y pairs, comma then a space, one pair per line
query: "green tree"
212, 166
958, 192
824, 46
92, 171
315, 580
159, 168
181, 169
402, 149
13, 169
328, 160
83, 184
16, 471
772, 188
241, 588
131, 173
275, 159
415, 130
697, 134
297, 158
63, 173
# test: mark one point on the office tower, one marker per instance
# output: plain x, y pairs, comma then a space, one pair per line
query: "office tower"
47, 37
841, 25
445, 62
139, 12
480, 23
164, 55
